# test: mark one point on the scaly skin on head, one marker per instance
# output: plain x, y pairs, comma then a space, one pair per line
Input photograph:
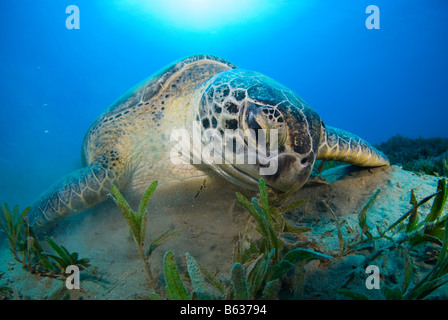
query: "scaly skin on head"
241, 103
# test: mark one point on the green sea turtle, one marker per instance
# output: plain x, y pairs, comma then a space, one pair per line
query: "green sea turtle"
131, 144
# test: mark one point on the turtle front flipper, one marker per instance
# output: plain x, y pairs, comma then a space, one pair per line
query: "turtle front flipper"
340, 145
78, 191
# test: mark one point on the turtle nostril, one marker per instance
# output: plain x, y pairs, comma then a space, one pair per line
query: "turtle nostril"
306, 160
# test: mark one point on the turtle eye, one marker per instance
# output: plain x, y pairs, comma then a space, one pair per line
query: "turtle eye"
253, 116
252, 122
257, 123
254, 126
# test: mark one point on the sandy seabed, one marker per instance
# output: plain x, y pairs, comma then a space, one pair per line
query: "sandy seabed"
209, 225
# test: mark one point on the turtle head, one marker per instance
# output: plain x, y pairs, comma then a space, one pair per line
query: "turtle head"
262, 129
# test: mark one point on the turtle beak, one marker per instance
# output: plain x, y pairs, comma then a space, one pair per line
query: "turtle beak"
293, 169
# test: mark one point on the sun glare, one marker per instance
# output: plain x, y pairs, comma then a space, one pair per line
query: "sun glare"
195, 15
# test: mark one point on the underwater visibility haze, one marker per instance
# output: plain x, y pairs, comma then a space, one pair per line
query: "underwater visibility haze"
56, 81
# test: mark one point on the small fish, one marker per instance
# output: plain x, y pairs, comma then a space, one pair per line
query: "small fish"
200, 189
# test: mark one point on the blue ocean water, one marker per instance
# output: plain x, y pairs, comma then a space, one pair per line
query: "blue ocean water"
55, 81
